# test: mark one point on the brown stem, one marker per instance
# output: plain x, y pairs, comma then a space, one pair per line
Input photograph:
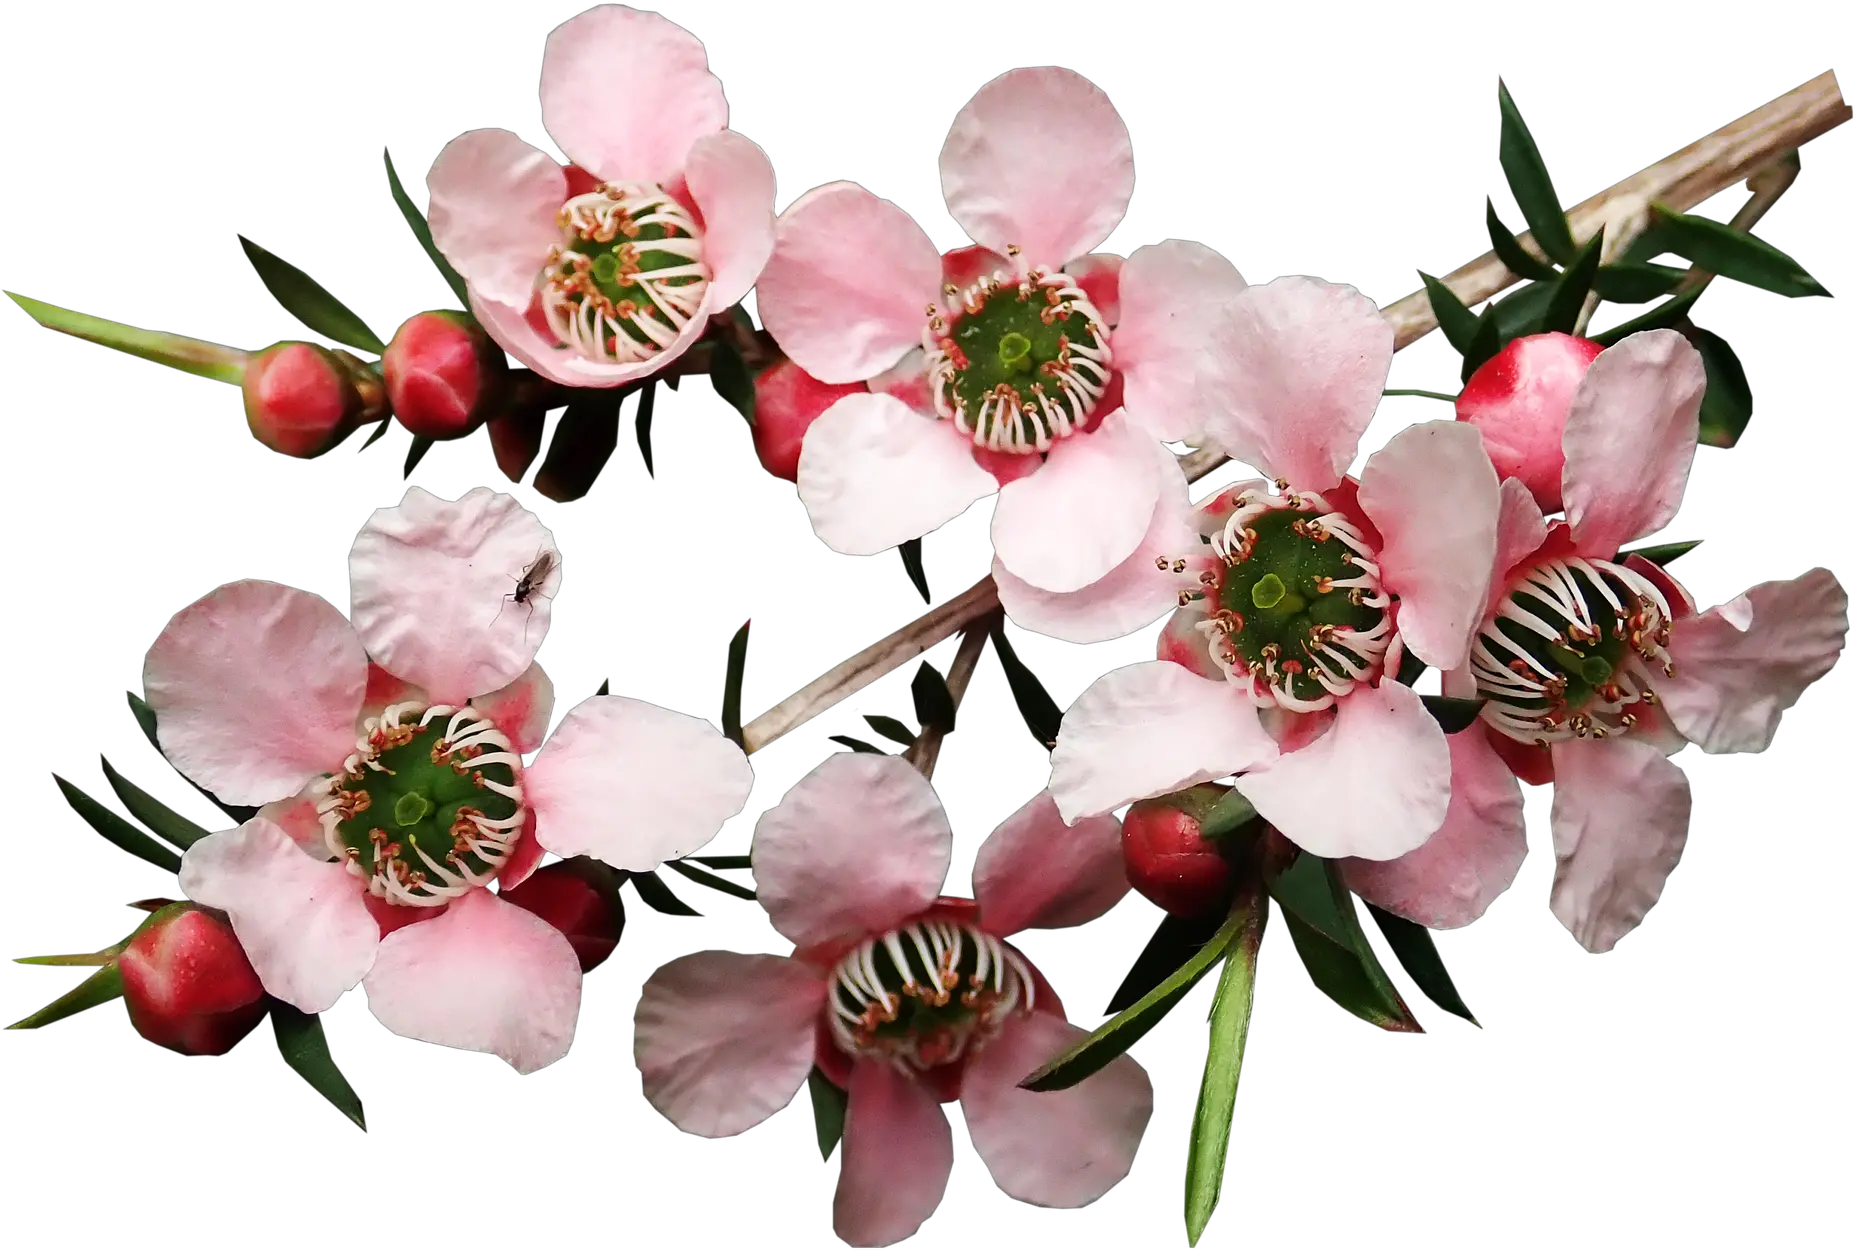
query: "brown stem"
927, 748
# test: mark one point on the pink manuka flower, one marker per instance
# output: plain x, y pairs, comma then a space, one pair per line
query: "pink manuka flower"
903, 998
608, 269
1297, 602
389, 755
1597, 668
1004, 366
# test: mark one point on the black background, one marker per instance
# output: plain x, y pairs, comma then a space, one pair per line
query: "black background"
140, 143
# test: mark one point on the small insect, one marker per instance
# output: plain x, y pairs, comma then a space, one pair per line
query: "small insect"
528, 587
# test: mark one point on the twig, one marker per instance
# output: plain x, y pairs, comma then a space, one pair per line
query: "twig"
927, 748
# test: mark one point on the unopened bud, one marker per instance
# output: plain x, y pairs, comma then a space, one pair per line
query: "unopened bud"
1167, 856
580, 897
301, 399
443, 374
1519, 400
787, 400
187, 982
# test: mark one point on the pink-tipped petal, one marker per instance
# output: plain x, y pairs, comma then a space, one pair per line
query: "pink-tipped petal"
1435, 499
858, 846
874, 474
1452, 878
898, 1151
723, 1041
846, 289
1099, 276
1038, 159
1620, 820
633, 784
301, 822
432, 588
254, 689
524, 858
1149, 729
1070, 523
1035, 872
1183, 643
1376, 785
1520, 528
302, 921
1171, 294
1063, 1149
509, 325
487, 975
626, 93
495, 202
731, 180
383, 691
1630, 438
521, 709
1739, 666
1297, 369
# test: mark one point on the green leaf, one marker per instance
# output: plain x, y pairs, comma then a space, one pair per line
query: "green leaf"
176, 351
1231, 813
1735, 254
162, 820
1173, 943
724, 861
415, 452
605, 688
1508, 249
657, 896
583, 442
1224, 1061
912, 565
720, 885
1452, 715
731, 684
1453, 317
934, 702
1727, 404
101, 986
423, 232
115, 829
856, 744
1532, 187
892, 729
1660, 317
1568, 298
1114, 1036
1035, 705
1417, 955
1635, 282
1485, 345
647, 408
301, 1042
380, 431
1522, 312
305, 299
828, 1106
145, 717
1320, 914
1410, 668
1661, 554
731, 379
87, 959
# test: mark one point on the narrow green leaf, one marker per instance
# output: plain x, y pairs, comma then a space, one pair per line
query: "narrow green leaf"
856, 744
657, 896
1224, 1061
720, 885
415, 452
1114, 1036
828, 1106
583, 442
153, 904
1410, 668
423, 232
380, 431
90, 959
115, 829
176, 351
1568, 298
1660, 317
934, 702
912, 565
1521, 262
605, 688
1636, 282
301, 1042
1173, 943
724, 861
731, 379
1730, 253
731, 683
1522, 312
1035, 705
101, 986
1727, 404
145, 717
1319, 912
647, 408
162, 820
1661, 554
305, 299
1453, 715
1453, 317
1417, 955
892, 729
1485, 345
1231, 813
1532, 187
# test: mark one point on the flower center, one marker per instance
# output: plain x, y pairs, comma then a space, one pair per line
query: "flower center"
1298, 612
627, 274
926, 994
428, 806
1571, 651
1021, 363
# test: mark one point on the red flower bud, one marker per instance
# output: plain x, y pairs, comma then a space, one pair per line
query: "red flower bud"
787, 400
443, 374
301, 399
187, 983
1166, 856
581, 899
1519, 400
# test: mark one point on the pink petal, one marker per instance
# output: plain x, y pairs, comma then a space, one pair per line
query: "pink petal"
1070, 523
1171, 295
1519, 530
1739, 666
625, 93
873, 474
1620, 820
524, 858
1375, 786
1099, 276
858, 846
1182, 643
1131, 594
509, 325
1435, 499
724, 1040
846, 291
495, 202
1038, 159
633, 784
432, 586
1298, 368
1063, 1149
254, 689
487, 976
301, 822
1452, 878
383, 691
898, 1151
301, 920
1150, 729
731, 180
1035, 872
1630, 437
521, 709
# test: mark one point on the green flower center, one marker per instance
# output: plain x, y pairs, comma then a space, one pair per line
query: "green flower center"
627, 275
926, 994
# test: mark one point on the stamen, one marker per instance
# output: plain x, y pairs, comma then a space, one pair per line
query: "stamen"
627, 276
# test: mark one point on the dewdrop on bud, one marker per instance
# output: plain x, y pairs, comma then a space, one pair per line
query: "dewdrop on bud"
1167, 856
565, 895
1519, 400
187, 983
787, 400
443, 374
301, 399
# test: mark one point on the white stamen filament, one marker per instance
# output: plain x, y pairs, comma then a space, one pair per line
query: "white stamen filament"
585, 318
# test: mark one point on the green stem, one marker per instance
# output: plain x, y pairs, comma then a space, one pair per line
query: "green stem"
1448, 399
208, 360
